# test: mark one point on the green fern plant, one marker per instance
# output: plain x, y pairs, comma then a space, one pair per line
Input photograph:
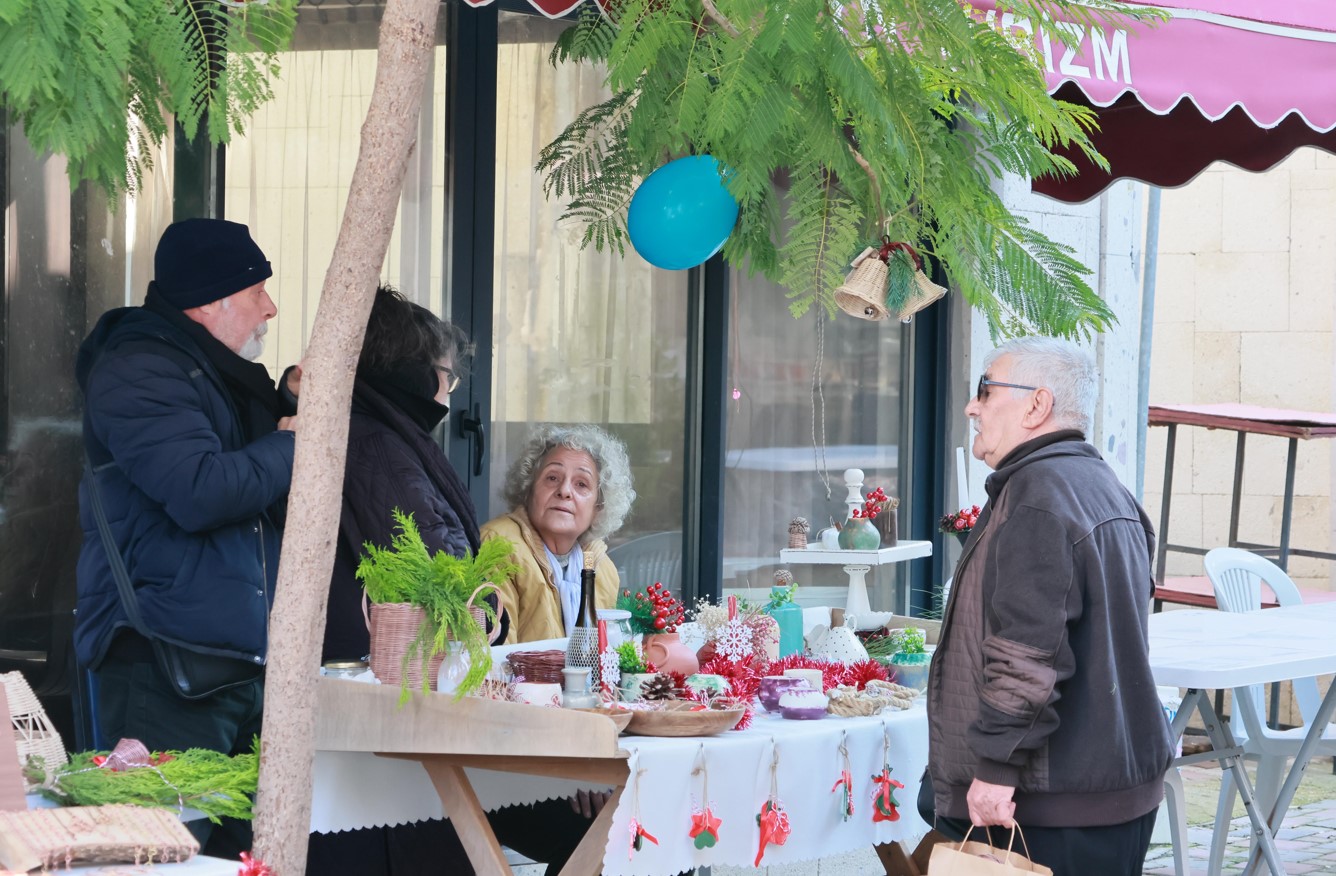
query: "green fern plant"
888, 118
100, 81
446, 586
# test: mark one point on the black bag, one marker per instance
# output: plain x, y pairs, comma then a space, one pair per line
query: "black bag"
193, 676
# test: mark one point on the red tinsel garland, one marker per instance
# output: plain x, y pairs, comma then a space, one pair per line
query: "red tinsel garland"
744, 676
860, 673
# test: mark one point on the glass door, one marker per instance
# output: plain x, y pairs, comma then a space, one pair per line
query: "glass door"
579, 336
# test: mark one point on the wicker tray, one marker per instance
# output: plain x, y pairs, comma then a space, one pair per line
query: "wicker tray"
677, 719
118, 834
620, 717
538, 667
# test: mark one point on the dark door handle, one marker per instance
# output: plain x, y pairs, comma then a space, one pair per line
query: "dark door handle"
471, 425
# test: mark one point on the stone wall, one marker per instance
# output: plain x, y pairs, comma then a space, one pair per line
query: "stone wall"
1243, 313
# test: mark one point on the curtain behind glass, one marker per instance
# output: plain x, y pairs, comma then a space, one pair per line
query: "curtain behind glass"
581, 336
288, 176
789, 440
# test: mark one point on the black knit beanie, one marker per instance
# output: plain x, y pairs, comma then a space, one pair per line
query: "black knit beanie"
202, 260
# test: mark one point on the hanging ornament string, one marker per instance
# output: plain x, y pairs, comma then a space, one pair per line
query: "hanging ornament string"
773, 821
819, 407
845, 785
884, 805
637, 830
704, 830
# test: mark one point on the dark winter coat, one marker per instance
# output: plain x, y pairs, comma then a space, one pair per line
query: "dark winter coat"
187, 496
392, 463
1041, 680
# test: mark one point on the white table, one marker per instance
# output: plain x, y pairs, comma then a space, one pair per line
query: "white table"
354, 788
1204, 650
856, 565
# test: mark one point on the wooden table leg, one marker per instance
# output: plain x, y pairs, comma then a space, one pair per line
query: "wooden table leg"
466, 814
896, 861
587, 859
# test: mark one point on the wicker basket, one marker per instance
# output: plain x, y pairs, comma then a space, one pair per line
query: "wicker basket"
539, 667
393, 627
34, 733
863, 293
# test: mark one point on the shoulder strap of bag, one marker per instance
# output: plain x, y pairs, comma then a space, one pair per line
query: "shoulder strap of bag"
114, 559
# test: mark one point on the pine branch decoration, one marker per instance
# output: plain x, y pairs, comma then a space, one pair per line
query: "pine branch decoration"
888, 118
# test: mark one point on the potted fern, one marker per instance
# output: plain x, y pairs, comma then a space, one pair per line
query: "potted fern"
420, 602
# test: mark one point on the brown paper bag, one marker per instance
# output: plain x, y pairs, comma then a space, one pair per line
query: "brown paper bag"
969, 858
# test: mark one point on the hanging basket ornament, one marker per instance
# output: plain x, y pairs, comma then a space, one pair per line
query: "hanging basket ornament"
918, 291
863, 293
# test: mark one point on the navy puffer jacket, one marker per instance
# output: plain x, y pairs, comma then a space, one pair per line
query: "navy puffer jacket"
185, 495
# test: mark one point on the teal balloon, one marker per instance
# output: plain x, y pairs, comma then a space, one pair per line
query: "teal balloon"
682, 213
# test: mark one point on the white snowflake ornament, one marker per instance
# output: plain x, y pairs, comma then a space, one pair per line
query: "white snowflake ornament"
733, 641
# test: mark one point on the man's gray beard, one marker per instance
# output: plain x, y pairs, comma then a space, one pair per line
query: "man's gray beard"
254, 346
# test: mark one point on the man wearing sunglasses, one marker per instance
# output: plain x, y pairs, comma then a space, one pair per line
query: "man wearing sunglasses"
1041, 706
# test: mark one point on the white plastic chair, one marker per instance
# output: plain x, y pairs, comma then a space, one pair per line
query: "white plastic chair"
1236, 576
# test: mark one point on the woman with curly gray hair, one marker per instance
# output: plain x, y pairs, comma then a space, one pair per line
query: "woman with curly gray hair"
569, 489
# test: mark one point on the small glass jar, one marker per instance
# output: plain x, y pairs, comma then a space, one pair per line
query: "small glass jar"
343, 668
453, 669
619, 625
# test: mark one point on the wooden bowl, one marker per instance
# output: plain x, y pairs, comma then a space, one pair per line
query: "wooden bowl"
677, 719
620, 717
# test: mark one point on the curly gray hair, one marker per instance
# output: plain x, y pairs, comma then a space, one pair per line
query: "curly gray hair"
615, 493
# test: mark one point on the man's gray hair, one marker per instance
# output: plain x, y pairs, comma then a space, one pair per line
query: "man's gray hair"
615, 493
1061, 367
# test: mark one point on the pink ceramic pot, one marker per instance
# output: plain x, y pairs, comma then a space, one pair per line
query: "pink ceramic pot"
668, 654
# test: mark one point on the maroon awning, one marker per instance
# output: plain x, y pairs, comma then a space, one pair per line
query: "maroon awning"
1242, 81
550, 8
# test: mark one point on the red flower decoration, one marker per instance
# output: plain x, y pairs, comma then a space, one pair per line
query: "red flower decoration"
253, 866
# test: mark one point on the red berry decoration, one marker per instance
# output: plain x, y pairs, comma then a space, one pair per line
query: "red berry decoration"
653, 610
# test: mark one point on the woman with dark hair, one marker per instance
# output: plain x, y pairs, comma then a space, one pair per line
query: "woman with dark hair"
411, 360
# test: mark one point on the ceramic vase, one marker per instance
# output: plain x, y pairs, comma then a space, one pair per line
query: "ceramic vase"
576, 693
668, 653
859, 534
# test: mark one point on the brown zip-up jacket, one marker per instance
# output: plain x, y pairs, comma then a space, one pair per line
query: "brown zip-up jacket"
1041, 679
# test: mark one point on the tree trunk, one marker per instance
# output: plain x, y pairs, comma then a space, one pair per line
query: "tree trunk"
296, 627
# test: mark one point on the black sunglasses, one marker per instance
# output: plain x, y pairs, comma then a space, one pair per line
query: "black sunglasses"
981, 391
451, 378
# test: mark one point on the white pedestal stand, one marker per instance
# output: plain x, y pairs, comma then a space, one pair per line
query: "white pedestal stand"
857, 563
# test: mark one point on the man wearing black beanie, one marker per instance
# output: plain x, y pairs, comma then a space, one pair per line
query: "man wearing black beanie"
190, 460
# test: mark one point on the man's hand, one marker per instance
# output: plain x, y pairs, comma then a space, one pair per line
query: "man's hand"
294, 380
287, 424
589, 803
991, 804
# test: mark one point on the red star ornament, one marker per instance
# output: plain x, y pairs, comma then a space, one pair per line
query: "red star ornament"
704, 828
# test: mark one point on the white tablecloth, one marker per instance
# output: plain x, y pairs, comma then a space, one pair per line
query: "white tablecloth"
353, 790
739, 771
